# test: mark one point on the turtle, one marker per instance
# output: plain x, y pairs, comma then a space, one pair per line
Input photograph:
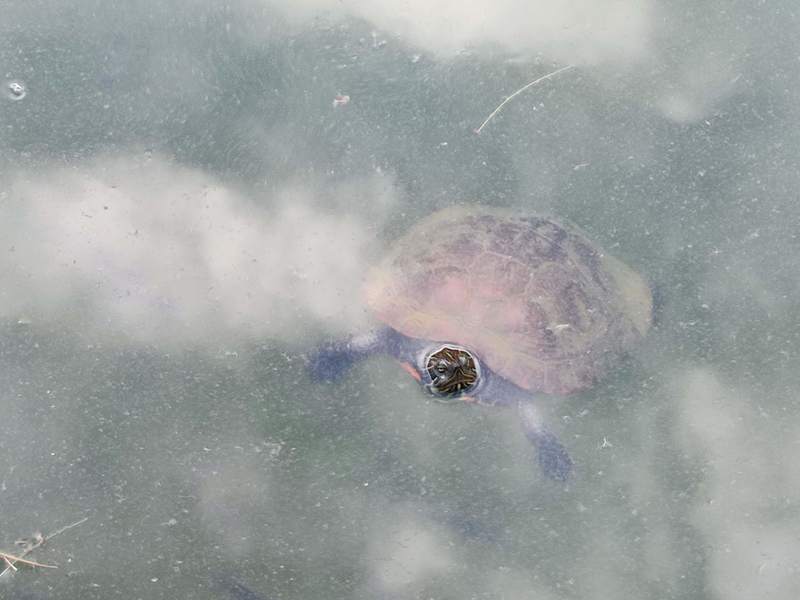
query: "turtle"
487, 306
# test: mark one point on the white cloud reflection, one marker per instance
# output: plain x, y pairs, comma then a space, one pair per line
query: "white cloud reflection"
747, 483
583, 31
407, 550
161, 253
684, 70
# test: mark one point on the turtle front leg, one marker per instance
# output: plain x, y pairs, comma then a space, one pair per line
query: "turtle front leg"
553, 457
331, 361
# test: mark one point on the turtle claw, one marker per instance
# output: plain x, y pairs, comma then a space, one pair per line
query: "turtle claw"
553, 457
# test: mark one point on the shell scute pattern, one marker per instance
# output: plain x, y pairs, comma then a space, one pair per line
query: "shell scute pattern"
500, 273
530, 295
465, 246
590, 257
544, 241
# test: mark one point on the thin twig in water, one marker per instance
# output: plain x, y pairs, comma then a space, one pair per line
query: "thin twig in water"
519, 91
10, 559
29, 545
63, 529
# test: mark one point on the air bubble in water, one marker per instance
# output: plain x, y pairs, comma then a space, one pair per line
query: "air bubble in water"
15, 90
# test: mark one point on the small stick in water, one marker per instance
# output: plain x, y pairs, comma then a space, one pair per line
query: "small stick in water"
11, 559
519, 91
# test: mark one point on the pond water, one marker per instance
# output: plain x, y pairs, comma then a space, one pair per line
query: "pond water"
191, 195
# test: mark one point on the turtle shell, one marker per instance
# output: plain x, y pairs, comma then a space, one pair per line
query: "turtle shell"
538, 302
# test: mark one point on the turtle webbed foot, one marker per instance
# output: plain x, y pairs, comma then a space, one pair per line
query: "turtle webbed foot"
553, 457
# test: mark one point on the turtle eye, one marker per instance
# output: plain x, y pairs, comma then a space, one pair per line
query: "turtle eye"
453, 372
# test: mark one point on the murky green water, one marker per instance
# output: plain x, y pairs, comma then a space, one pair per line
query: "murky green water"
184, 213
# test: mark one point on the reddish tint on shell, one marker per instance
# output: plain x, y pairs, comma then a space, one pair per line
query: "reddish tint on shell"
529, 295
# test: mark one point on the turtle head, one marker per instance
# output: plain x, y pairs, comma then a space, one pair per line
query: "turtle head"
449, 372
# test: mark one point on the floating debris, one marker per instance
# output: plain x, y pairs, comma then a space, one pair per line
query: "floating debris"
28, 545
16, 90
340, 100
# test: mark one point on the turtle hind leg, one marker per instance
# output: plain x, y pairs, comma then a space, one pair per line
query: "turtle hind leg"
331, 361
552, 455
